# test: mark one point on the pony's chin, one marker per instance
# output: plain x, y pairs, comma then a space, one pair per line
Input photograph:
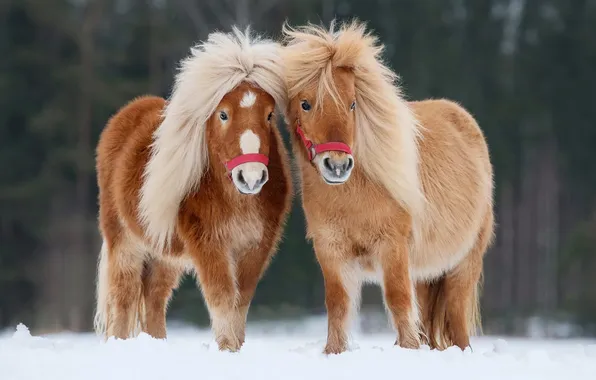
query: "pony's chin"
249, 192
334, 182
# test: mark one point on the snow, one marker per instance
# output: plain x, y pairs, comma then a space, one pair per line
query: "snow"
285, 351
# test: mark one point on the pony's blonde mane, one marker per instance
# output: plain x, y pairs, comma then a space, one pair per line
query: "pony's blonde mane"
387, 132
179, 152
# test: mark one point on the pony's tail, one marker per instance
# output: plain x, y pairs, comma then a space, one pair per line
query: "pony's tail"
140, 322
435, 307
102, 308
474, 316
103, 311
435, 322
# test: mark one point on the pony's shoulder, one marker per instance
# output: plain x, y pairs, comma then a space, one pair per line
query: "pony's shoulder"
435, 103
137, 109
140, 115
441, 110
144, 103
445, 119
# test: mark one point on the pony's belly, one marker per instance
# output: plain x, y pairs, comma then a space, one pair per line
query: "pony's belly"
183, 262
429, 260
447, 233
135, 243
425, 264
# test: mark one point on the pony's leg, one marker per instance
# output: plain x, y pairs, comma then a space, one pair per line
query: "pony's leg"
249, 271
425, 308
343, 285
460, 286
125, 267
461, 289
159, 281
216, 278
399, 294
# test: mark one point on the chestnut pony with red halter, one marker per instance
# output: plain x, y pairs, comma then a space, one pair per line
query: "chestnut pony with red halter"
197, 183
410, 207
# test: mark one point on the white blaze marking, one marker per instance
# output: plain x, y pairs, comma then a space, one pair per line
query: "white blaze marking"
248, 99
252, 172
249, 142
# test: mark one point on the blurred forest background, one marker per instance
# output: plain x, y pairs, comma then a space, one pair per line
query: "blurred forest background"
525, 68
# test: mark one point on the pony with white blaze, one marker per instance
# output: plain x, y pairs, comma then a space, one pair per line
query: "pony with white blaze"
394, 192
200, 183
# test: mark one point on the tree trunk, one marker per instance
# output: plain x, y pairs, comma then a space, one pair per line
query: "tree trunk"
50, 301
547, 229
155, 51
507, 248
82, 252
328, 10
526, 220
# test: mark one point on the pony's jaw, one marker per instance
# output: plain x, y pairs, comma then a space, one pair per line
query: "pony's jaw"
249, 178
333, 170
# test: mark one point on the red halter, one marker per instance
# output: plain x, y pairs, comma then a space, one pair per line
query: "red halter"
314, 149
245, 158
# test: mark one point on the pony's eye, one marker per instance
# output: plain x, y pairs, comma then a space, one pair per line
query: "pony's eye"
353, 106
223, 116
305, 105
269, 116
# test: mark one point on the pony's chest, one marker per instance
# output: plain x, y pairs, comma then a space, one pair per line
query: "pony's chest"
240, 233
358, 215
363, 223
356, 205
228, 225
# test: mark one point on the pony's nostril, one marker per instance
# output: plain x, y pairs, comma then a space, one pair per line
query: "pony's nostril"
350, 164
327, 164
241, 177
263, 177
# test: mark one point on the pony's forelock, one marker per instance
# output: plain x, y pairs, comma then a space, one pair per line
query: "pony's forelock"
178, 156
387, 132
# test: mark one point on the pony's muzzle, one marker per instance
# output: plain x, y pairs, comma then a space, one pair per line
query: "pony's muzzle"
335, 168
249, 178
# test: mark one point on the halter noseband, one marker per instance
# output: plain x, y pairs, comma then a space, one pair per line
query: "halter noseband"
314, 149
245, 158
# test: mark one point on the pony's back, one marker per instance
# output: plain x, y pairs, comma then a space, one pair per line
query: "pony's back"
131, 128
139, 116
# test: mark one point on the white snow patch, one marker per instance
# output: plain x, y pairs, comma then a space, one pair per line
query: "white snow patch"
289, 351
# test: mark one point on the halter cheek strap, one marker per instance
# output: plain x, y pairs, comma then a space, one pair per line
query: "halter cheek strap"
314, 149
245, 158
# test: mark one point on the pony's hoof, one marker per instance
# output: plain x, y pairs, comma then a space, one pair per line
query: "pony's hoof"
334, 349
227, 345
411, 344
463, 347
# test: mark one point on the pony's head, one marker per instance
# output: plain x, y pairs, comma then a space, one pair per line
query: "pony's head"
238, 135
220, 110
322, 99
325, 123
344, 99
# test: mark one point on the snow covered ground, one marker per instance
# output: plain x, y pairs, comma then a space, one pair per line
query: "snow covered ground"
285, 352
